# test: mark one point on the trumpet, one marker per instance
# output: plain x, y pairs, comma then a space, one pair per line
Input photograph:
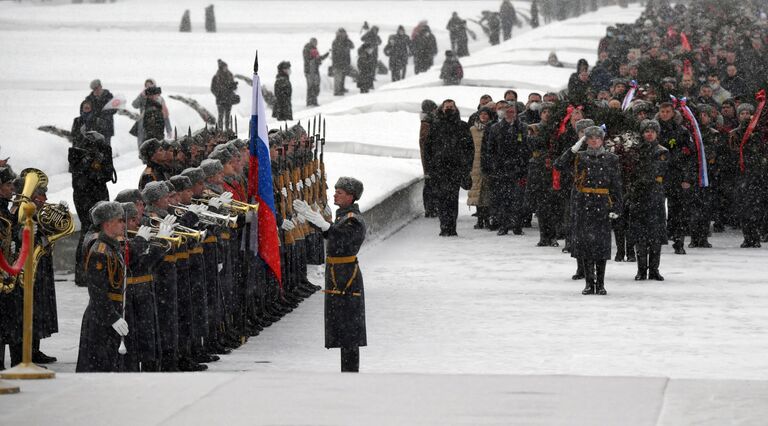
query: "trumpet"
230, 207
179, 230
246, 206
208, 218
173, 240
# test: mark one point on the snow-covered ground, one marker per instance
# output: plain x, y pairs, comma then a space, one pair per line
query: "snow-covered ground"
502, 333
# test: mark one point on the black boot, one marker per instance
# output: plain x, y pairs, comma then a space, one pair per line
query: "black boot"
600, 277
350, 360
579, 275
642, 262
679, 245
654, 260
38, 357
589, 277
618, 234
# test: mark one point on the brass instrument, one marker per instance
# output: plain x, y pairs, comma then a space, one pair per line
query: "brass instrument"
207, 217
181, 231
33, 179
173, 240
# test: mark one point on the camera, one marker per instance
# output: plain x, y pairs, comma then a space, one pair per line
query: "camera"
153, 91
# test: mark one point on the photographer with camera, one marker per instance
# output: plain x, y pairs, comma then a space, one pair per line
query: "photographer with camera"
90, 163
150, 99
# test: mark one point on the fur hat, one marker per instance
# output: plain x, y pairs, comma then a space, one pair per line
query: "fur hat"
275, 138
194, 174
594, 132
181, 183
129, 196
148, 148
95, 84
222, 154
154, 191
745, 107
7, 174
428, 105
211, 166
650, 124
639, 106
130, 210
546, 105
171, 187
583, 124
105, 211
238, 143
351, 186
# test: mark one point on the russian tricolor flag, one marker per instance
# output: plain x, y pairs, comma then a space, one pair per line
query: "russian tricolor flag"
260, 183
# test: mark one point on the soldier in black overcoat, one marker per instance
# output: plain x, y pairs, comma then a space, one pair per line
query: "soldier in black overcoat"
344, 293
596, 198
753, 175
103, 325
646, 200
11, 294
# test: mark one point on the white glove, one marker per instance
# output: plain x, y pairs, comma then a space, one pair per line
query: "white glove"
577, 145
197, 208
290, 186
121, 327
316, 219
226, 198
287, 225
613, 215
214, 202
169, 220
220, 267
64, 205
298, 220
307, 182
299, 186
13, 247
164, 230
144, 232
284, 192
328, 210
301, 206
312, 179
318, 174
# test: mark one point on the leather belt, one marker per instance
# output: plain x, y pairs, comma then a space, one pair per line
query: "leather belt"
115, 297
599, 191
140, 279
330, 260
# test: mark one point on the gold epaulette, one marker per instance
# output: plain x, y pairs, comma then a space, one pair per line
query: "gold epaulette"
101, 248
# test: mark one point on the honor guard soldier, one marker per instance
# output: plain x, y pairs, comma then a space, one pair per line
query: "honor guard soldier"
103, 325
344, 294
152, 154
11, 293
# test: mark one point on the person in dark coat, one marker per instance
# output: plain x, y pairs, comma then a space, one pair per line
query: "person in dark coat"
312, 72
646, 200
398, 49
223, 87
283, 111
99, 98
90, 163
153, 119
452, 72
152, 153
596, 198
491, 24
448, 155
681, 174
11, 294
703, 204
344, 292
457, 28
424, 47
371, 37
103, 325
505, 162
543, 180
427, 115
366, 67
341, 60
508, 18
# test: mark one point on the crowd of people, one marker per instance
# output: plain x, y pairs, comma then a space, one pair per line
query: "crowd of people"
662, 138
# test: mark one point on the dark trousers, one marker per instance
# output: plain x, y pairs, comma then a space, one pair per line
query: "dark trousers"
447, 200
224, 116
701, 214
679, 210
350, 360
625, 246
648, 257
398, 72
84, 200
594, 272
548, 213
508, 200
428, 196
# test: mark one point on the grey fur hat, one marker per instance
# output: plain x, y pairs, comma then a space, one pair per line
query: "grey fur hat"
594, 132
351, 186
745, 107
7, 174
154, 191
171, 187
181, 183
650, 124
129, 196
584, 123
211, 166
639, 106
105, 211
148, 148
238, 143
195, 174
221, 154
547, 105
130, 210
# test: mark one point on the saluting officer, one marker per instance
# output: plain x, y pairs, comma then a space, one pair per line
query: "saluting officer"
345, 297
